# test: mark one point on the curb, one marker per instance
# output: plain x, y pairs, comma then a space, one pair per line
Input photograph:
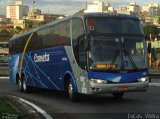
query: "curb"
26, 108
38, 109
4, 77
154, 84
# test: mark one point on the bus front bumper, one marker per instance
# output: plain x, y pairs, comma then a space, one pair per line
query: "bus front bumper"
114, 88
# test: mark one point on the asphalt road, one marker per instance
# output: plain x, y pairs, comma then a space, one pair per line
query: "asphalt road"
90, 107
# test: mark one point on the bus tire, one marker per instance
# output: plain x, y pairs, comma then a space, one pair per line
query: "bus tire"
25, 88
20, 88
71, 93
118, 95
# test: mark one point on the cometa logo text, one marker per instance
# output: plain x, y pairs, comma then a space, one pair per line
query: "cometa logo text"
41, 58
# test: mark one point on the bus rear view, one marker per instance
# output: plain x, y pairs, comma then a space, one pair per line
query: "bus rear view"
116, 55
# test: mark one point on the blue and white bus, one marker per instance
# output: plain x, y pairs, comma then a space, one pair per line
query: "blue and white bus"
92, 53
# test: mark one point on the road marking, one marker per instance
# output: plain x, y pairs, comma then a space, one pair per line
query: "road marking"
47, 116
154, 84
4, 77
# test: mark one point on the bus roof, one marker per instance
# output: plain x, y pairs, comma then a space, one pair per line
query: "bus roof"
80, 15
109, 15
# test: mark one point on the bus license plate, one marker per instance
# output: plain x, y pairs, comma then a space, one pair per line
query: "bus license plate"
123, 88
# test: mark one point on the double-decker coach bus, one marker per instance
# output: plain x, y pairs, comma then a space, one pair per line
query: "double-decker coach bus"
92, 53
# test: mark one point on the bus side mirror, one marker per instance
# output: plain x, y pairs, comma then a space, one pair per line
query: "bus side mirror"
149, 47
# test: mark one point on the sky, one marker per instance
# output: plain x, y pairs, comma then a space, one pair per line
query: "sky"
69, 6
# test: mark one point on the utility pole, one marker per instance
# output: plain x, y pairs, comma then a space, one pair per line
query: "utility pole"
33, 6
33, 13
86, 4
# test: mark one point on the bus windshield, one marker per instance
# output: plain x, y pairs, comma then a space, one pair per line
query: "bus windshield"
117, 53
113, 25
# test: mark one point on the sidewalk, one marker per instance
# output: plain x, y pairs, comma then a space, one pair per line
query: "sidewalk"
154, 80
154, 72
155, 75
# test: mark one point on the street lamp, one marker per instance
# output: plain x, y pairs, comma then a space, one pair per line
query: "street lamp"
33, 7
33, 4
86, 4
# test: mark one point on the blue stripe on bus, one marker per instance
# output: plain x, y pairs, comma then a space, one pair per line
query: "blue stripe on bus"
123, 77
44, 74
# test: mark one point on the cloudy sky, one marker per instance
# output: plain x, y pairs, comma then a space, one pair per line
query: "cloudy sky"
68, 6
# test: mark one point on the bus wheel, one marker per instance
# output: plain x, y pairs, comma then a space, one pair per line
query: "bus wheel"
72, 95
118, 95
25, 88
20, 85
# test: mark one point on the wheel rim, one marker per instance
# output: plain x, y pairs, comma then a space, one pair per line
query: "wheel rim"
19, 85
70, 90
24, 85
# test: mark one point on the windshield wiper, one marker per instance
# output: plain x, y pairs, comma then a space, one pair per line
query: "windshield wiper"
117, 54
126, 53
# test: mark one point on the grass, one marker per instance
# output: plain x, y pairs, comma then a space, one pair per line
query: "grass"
5, 107
4, 73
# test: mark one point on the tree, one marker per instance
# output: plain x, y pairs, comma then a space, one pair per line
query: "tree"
5, 35
150, 31
18, 29
30, 26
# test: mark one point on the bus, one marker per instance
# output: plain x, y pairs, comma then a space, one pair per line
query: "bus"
91, 53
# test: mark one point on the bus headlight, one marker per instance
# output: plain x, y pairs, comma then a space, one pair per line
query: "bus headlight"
99, 81
143, 79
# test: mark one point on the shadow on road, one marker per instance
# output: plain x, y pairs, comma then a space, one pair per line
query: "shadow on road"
89, 99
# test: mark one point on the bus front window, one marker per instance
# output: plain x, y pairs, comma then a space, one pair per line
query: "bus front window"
105, 52
117, 53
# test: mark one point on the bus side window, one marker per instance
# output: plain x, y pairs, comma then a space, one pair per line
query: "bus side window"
52, 36
41, 39
33, 42
68, 42
61, 31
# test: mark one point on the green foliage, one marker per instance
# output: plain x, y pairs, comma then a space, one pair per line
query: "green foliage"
5, 107
5, 35
30, 25
18, 29
150, 31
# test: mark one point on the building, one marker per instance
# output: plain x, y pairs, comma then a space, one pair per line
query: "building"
34, 13
2, 19
108, 8
111, 9
97, 6
20, 23
6, 26
133, 7
151, 10
124, 11
37, 16
17, 11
